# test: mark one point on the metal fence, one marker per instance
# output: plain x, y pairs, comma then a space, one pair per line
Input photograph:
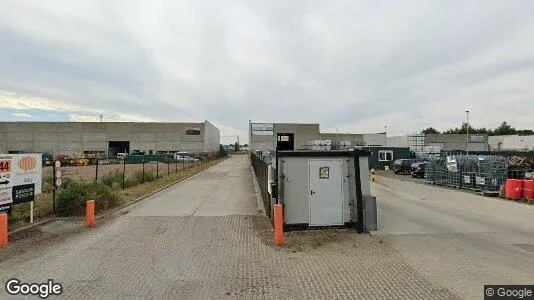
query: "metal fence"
261, 169
122, 173
483, 173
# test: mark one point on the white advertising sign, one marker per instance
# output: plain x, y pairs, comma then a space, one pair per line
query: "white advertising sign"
21, 169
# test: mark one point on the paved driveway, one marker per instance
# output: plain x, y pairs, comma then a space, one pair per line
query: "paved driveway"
204, 239
457, 238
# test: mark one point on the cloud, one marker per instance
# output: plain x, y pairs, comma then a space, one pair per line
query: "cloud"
354, 65
22, 115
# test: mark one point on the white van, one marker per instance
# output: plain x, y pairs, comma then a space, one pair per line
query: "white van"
121, 155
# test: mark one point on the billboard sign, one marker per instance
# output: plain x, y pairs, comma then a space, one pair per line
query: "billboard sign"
20, 177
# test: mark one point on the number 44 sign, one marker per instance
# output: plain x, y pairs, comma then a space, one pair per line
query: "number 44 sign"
5, 173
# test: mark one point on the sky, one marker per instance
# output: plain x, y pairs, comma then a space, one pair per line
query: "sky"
352, 66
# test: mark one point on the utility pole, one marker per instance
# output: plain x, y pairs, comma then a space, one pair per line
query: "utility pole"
467, 134
386, 135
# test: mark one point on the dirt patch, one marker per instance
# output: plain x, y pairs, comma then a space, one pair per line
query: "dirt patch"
308, 240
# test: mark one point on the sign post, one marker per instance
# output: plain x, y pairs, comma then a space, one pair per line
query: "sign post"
31, 212
57, 182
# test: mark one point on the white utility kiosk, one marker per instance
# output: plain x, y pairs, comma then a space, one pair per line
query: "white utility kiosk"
322, 188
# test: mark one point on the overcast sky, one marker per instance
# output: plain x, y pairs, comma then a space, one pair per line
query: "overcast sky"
352, 66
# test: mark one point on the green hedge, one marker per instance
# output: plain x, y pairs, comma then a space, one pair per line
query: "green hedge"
72, 198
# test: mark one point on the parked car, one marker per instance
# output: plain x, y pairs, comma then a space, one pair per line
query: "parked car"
402, 166
48, 159
184, 158
418, 169
65, 160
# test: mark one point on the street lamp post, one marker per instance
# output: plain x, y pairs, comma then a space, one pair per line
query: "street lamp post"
385, 135
467, 134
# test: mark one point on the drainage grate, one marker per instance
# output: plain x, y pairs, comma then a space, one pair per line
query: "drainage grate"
528, 247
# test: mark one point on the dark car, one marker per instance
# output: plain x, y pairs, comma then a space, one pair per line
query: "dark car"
402, 166
48, 159
418, 169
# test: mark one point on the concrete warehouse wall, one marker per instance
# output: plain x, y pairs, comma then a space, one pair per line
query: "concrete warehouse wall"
212, 137
308, 132
397, 141
76, 137
511, 142
456, 142
375, 139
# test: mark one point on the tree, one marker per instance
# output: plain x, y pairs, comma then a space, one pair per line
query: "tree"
430, 130
504, 129
525, 132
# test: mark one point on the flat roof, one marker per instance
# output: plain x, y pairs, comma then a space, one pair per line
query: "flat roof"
331, 153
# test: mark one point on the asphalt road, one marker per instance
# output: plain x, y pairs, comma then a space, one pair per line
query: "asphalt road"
458, 239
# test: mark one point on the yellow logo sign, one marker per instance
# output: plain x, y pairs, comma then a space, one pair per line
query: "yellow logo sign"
27, 163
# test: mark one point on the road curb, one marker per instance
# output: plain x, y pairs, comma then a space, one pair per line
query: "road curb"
261, 209
113, 211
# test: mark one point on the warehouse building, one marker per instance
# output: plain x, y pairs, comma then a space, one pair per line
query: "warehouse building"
511, 142
421, 143
109, 138
298, 136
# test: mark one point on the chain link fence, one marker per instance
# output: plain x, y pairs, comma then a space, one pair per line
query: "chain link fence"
126, 172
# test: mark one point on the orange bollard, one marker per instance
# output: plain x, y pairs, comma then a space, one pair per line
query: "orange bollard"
278, 225
90, 214
3, 230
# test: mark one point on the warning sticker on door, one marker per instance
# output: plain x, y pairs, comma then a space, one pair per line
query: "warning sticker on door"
324, 172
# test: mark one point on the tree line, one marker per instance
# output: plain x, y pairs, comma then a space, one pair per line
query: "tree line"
503, 129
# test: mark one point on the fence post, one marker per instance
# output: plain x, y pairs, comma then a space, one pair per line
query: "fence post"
143, 172
183, 163
176, 166
157, 169
54, 188
123, 173
168, 167
96, 173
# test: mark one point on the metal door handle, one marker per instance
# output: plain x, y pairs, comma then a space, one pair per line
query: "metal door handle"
312, 192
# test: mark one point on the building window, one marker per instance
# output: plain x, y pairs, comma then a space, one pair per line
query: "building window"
385, 155
192, 131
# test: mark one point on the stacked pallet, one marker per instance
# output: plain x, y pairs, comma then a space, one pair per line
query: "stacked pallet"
521, 162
